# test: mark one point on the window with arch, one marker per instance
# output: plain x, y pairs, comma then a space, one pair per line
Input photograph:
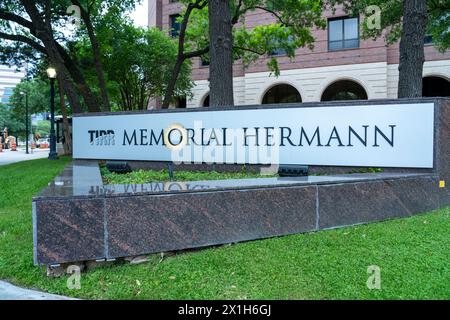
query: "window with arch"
344, 90
205, 102
281, 93
435, 86
180, 102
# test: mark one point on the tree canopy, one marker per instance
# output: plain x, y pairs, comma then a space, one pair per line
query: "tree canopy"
97, 54
138, 65
290, 29
7, 120
411, 22
38, 92
31, 30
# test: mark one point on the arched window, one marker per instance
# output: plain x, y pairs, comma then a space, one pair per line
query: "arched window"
180, 102
206, 101
282, 93
344, 90
435, 87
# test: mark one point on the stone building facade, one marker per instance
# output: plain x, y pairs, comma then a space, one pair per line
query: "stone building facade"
342, 65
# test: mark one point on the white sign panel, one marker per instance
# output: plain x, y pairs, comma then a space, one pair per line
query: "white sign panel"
397, 135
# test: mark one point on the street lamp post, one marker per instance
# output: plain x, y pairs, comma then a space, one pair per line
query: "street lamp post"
26, 121
51, 72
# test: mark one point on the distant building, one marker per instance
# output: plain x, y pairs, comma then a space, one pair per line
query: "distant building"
342, 66
9, 78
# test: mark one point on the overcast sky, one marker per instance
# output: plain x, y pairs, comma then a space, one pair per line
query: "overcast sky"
140, 16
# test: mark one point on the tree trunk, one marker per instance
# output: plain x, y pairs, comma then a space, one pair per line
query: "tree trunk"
180, 58
97, 55
173, 80
80, 81
67, 138
70, 92
181, 55
221, 55
412, 55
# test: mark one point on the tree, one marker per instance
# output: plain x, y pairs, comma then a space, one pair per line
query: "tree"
182, 54
43, 128
7, 121
139, 64
291, 29
38, 92
439, 23
38, 33
408, 21
221, 53
32, 29
67, 145
412, 55
86, 16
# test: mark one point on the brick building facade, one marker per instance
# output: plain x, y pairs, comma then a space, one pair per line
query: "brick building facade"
341, 66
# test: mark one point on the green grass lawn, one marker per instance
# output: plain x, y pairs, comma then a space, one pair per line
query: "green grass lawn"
413, 254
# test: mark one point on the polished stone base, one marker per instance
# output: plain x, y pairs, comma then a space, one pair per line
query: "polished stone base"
77, 218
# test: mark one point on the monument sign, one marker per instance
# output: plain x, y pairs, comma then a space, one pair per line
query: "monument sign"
392, 135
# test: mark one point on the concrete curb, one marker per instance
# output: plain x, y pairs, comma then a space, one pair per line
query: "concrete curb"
11, 292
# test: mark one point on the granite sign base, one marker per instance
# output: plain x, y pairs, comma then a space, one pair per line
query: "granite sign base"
78, 218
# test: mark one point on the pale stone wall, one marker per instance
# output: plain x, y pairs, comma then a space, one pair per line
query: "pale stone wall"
373, 65
152, 13
310, 82
439, 68
201, 90
378, 79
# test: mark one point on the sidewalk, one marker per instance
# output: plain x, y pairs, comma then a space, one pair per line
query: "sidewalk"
8, 156
10, 292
